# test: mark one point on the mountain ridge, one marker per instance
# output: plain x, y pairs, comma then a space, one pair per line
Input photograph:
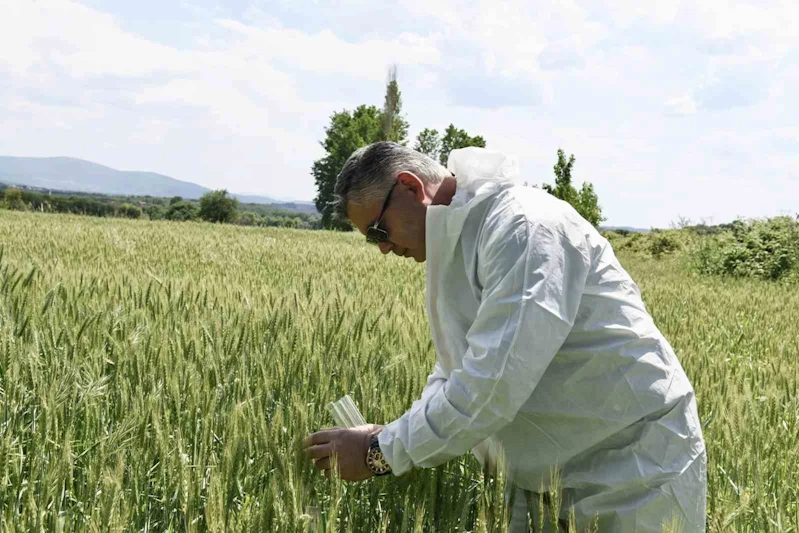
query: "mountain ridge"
64, 173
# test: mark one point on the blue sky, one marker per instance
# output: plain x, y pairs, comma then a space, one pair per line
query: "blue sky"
682, 108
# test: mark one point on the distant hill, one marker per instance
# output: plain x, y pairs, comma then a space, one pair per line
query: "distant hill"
628, 228
304, 207
78, 175
68, 174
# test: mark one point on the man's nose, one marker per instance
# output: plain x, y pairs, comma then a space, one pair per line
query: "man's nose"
385, 247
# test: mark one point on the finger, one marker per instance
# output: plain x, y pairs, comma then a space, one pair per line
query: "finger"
320, 437
317, 452
323, 463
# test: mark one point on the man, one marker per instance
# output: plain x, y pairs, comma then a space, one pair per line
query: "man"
545, 349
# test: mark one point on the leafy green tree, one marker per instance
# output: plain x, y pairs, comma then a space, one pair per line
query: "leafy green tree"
428, 142
585, 201
130, 211
455, 138
217, 206
248, 218
393, 126
154, 212
175, 199
181, 211
13, 200
347, 132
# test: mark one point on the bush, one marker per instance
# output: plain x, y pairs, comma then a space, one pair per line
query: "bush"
248, 218
663, 243
703, 229
764, 249
217, 206
154, 212
12, 199
181, 211
130, 211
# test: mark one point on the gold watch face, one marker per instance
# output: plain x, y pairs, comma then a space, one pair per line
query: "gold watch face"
377, 462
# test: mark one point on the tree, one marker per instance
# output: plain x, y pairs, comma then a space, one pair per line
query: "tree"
347, 132
181, 211
455, 138
429, 143
130, 211
585, 202
154, 212
217, 206
393, 126
248, 218
13, 200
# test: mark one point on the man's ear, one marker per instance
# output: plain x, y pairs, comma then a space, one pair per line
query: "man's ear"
412, 182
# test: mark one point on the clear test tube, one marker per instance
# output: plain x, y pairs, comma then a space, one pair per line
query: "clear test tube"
345, 413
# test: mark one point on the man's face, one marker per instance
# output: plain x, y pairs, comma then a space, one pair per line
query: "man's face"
403, 220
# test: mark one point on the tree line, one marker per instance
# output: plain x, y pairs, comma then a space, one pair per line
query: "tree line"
214, 206
350, 130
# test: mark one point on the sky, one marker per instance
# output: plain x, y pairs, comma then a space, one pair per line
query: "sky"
681, 109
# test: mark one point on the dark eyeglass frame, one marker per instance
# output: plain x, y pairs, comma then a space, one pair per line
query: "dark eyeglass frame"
375, 234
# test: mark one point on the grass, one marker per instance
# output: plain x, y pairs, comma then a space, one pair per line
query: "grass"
159, 376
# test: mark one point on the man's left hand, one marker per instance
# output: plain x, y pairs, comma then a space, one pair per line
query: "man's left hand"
349, 446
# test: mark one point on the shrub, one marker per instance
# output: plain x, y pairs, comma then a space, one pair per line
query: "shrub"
663, 243
154, 212
130, 211
12, 199
764, 249
181, 211
217, 206
248, 218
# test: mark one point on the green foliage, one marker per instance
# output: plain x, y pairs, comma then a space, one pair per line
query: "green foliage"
130, 211
428, 142
585, 201
181, 211
764, 249
153, 207
656, 243
12, 199
160, 377
663, 244
248, 218
347, 132
393, 126
155, 212
217, 206
455, 138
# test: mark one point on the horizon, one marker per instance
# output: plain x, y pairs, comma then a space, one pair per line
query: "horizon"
678, 110
128, 170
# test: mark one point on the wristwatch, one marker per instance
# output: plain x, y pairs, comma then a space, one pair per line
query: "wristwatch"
375, 459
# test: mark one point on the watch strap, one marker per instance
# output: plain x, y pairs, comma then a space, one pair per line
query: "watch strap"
375, 459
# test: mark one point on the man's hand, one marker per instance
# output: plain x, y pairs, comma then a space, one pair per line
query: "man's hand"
349, 446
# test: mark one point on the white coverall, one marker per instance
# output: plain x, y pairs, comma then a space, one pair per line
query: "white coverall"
546, 351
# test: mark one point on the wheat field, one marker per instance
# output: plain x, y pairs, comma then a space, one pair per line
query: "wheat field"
160, 376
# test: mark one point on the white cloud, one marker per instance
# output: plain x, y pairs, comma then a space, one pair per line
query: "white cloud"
244, 101
684, 105
563, 53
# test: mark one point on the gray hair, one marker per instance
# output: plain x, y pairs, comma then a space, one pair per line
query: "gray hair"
371, 171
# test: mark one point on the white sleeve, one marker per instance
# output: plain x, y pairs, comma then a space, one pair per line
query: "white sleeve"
434, 381
532, 276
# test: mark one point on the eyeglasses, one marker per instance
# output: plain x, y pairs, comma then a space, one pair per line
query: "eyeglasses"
374, 234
